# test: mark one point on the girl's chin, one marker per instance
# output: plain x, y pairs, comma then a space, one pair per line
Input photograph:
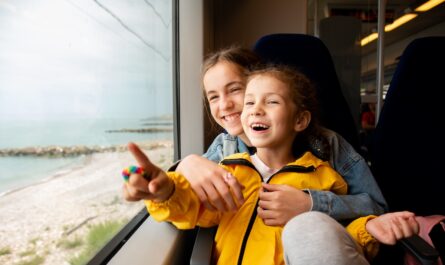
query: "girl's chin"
234, 131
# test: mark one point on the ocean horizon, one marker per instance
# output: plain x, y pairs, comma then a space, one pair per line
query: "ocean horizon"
20, 171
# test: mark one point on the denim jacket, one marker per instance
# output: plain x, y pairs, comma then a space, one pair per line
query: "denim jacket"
225, 145
364, 196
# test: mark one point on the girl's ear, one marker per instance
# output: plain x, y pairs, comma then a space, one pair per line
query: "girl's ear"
302, 121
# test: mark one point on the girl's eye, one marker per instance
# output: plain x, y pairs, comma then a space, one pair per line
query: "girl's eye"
235, 89
272, 102
248, 103
212, 98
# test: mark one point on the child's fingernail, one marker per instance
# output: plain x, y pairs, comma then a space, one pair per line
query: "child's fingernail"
228, 177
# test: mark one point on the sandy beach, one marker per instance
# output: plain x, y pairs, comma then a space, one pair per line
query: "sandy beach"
37, 219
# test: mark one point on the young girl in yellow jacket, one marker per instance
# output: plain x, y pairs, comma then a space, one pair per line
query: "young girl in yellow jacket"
279, 118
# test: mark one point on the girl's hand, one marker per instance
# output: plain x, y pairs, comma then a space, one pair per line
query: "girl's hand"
390, 227
215, 189
279, 203
157, 186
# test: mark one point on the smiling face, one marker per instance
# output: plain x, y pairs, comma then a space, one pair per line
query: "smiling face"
270, 119
224, 86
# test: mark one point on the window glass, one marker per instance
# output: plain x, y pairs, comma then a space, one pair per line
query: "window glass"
78, 80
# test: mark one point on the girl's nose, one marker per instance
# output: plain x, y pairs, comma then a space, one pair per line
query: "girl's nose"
255, 111
225, 103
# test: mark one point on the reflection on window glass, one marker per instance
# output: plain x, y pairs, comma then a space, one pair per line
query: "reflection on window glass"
78, 80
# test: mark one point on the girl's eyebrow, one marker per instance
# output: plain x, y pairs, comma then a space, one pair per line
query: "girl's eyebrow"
225, 86
210, 92
264, 94
233, 83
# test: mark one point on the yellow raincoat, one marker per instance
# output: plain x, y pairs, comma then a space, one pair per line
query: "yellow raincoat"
241, 234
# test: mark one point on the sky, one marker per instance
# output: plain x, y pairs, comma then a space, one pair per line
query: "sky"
63, 59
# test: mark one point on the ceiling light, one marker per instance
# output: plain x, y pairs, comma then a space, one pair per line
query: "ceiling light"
368, 39
397, 23
400, 21
428, 5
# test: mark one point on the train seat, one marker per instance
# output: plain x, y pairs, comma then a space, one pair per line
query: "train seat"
409, 141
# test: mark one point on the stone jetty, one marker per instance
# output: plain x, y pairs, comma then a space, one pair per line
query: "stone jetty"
141, 130
70, 151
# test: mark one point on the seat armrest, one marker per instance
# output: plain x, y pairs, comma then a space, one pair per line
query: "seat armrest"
203, 248
156, 242
419, 248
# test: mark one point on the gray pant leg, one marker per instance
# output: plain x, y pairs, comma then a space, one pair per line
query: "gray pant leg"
314, 238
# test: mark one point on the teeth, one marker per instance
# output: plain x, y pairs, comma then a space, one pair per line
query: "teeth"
259, 126
231, 117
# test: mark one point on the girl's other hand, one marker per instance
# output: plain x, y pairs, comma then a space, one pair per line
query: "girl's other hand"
390, 227
280, 203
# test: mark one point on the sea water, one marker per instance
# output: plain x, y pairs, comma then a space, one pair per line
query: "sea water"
19, 171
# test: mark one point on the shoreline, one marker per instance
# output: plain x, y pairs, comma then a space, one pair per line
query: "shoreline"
87, 156
37, 218
58, 173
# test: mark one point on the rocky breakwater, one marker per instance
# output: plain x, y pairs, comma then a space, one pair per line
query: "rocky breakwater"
141, 130
70, 151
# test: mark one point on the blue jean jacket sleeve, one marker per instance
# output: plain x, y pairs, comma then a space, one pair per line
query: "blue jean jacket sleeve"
364, 195
224, 145
215, 150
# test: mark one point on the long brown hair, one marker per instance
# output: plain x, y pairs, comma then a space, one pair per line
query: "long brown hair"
244, 59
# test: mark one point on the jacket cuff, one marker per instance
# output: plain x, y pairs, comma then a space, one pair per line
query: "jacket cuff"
357, 229
178, 202
320, 201
310, 197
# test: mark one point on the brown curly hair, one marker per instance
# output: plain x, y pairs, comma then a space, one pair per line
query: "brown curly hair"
304, 96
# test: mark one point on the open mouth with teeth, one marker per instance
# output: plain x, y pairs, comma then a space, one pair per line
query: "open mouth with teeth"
231, 117
259, 127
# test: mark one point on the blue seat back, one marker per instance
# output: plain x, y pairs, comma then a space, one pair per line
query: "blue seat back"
310, 55
409, 146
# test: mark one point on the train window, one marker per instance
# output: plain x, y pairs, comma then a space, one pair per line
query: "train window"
78, 80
